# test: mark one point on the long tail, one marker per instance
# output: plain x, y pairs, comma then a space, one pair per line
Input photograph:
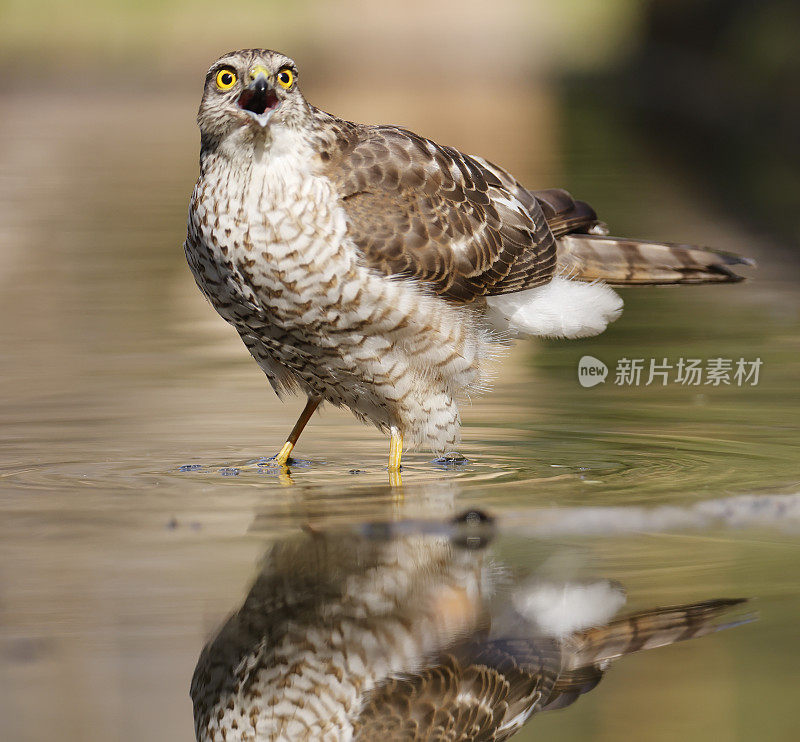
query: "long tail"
589, 652
623, 262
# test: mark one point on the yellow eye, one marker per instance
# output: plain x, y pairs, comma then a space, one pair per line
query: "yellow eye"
285, 79
226, 79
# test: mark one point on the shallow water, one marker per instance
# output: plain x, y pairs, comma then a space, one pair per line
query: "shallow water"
135, 511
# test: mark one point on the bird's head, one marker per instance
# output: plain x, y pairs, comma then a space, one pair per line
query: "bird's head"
248, 94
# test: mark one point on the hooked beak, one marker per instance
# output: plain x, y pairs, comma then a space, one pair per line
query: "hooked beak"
259, 100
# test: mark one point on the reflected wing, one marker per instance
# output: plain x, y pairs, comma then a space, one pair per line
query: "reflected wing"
478, 691
458, 223
486, 690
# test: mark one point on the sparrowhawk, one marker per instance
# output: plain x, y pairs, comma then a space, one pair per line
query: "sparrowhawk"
378, 270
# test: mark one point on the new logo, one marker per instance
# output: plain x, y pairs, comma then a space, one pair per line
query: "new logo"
591, 371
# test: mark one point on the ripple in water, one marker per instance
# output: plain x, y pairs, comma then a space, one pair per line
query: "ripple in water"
626, 467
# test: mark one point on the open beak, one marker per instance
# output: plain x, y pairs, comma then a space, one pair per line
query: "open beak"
259, 100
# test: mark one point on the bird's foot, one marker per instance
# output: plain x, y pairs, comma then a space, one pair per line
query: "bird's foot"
282, 458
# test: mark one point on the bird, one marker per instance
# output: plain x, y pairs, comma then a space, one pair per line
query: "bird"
411, 638
374, 269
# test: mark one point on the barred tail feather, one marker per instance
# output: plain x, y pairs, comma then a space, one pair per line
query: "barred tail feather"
622, 262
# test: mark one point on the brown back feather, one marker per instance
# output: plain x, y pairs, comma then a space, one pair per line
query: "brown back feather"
418, 209
564, 214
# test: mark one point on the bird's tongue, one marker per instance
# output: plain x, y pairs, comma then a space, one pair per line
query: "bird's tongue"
258, 101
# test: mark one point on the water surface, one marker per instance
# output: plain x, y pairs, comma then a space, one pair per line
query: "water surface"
135, 513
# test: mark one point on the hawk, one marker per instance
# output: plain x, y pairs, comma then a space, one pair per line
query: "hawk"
410, 639
377, 270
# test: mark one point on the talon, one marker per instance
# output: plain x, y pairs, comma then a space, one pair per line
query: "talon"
283, 455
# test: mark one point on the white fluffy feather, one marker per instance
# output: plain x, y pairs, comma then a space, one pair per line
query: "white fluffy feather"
561, 308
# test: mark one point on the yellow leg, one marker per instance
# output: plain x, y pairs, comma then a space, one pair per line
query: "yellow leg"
395, 449
395, 456
302, 421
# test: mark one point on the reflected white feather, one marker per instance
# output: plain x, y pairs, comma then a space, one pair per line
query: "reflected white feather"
560, 609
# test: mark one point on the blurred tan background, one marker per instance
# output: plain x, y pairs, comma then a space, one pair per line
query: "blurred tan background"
471, 73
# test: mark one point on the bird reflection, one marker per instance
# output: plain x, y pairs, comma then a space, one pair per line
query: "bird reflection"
416, 636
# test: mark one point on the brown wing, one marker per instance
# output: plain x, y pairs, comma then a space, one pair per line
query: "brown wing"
417, 209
